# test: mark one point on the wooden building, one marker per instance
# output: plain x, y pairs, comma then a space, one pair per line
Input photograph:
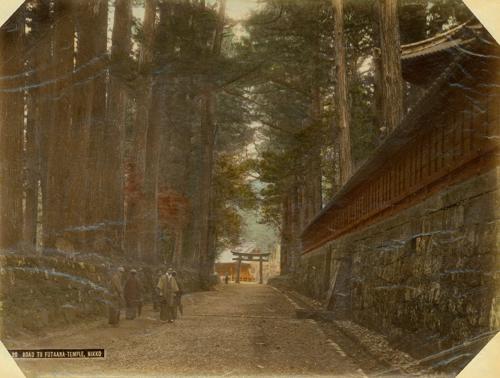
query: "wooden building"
247, 273
409, 245
449, 135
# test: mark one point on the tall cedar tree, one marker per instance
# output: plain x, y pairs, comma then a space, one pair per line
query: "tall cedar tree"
114, 134
11, 131
135, 206
56, 204
390, 60
341, 95
208, 131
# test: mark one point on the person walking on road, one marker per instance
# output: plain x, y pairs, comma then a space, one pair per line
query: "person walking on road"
167, 286
133, 296
178, 296
118, 300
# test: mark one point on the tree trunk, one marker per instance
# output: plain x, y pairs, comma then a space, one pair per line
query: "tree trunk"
208, 131
113, 171
97, 153
295, 229
179, 239
32, 171
83, 94
390, 59
56, 206
195, 194
135, 216
207, 161
285, 234
148, 238
11, 131
377, 79
38, 107
315, 200
341, 95
42, 89
175, 169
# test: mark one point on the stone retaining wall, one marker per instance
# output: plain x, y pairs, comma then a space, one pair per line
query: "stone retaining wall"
40, 292
431, 270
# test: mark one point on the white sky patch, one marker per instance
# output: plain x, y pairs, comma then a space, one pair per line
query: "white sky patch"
240, 9
235, 9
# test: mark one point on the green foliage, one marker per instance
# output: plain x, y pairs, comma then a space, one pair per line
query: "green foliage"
233, 193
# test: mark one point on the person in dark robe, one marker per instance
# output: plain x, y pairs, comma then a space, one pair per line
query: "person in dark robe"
167, 286
178, 296
133, 295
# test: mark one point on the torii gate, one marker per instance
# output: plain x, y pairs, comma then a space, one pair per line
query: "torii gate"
242, 256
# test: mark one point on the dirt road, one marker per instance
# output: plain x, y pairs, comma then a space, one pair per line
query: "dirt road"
245, 329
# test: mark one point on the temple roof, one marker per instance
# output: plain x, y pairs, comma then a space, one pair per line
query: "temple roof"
423, 61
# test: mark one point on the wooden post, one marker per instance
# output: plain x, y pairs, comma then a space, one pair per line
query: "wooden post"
260, 270
238, 271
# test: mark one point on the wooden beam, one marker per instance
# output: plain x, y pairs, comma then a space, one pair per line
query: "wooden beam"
247, 260
250, 254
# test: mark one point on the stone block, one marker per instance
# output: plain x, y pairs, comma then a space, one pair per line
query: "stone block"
453, 218
69, 312
473, 187
481, 209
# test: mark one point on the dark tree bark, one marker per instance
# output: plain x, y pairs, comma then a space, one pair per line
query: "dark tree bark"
41, 91
341, 95
148, 238
377, 75
135, 215
294, 249
315, 198
208, 131
285, 234
207, 159
38, 107
82, 126
113, 177
56, 204
175, 169
97, 153
32, 172
390, 59
11, 131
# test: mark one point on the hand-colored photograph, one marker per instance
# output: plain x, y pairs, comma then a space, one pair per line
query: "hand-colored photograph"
249, 188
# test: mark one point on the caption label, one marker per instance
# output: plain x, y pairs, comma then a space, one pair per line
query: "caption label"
57, 353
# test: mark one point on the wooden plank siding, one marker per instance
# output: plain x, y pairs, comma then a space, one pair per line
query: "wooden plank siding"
460, 126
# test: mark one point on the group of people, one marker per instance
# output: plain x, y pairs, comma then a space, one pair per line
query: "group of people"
128, 291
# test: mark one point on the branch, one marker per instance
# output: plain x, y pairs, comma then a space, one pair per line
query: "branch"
240, 76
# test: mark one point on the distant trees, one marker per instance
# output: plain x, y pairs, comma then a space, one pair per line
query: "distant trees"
343, 57
145, 138
302, 99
